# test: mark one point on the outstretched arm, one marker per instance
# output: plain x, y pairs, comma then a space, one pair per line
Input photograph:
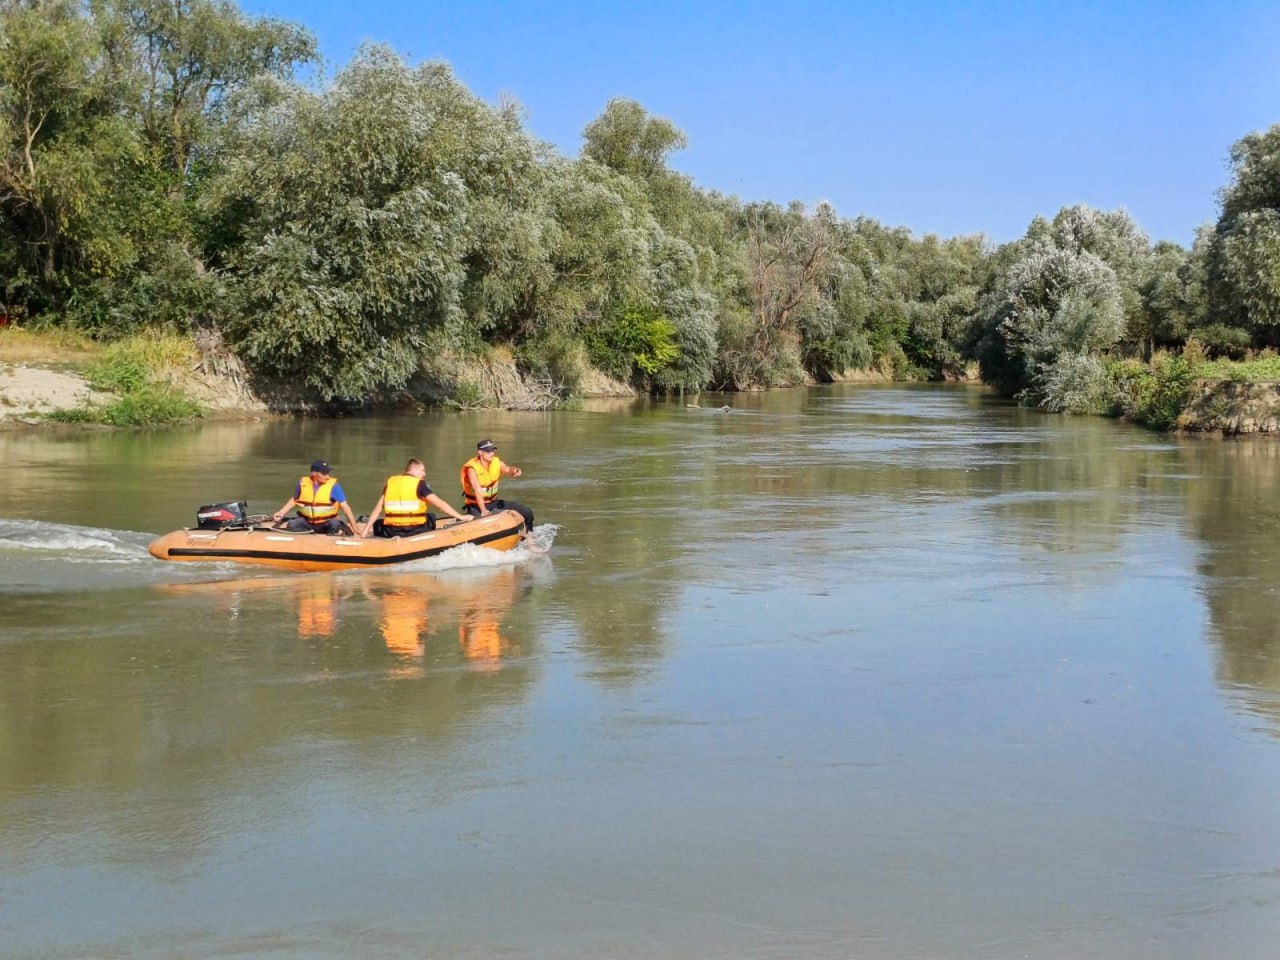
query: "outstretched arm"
377, 512
438, 503
288, 505
351, 517
511, 471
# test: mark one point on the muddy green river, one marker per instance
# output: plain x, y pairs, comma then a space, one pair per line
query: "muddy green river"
875, 672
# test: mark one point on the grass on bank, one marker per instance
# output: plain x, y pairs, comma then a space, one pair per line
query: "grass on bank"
53, 348
144, 371
1264, 368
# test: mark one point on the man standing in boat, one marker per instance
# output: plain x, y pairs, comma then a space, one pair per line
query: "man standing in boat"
319, 499
406, 497
480, 477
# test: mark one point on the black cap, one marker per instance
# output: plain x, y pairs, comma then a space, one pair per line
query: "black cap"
321, 466
486, 445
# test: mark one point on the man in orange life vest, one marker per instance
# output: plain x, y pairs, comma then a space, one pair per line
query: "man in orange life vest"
405, 498
480, 476
319, 498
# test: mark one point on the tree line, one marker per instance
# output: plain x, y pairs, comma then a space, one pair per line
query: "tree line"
178, 164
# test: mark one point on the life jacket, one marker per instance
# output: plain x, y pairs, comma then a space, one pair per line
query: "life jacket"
316, 504
400, 503
487, 477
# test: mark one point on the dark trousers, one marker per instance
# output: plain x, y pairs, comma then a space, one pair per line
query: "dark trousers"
380, 528
333, 526
519, 508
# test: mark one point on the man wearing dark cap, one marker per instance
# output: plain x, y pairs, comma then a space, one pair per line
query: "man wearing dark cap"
319, 498
480, 476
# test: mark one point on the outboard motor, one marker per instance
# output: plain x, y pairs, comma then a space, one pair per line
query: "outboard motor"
222, 516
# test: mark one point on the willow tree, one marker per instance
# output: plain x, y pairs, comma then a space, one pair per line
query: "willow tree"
67, 157
689, 272
599, 238
187, 57
1244, 255
388, 216
102, 105
1173, 300
787, 257
1052, 304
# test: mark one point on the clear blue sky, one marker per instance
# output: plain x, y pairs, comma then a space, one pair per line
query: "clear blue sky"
946, 118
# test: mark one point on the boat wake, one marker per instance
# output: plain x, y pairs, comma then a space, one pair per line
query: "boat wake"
39, 555
75, 543
471, 555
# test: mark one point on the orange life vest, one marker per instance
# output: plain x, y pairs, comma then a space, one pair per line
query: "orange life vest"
400, 503
316, 504
487, 477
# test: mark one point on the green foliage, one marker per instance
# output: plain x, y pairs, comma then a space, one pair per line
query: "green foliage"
558, 360
127, 365
750, 357
1172, 295
1157, 394
1055, 296
831, 345
147, 406
101, 107
118, 375
633, 340
189, 57
1264, 368
140, 370
466, 395
160, 168
628, 140
1222, 340
1077, 383
1244, 250
354, 246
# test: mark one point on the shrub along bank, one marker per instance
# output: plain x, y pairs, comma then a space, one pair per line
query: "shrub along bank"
341, 237
144, 373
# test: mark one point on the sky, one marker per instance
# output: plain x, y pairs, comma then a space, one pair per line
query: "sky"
948, 118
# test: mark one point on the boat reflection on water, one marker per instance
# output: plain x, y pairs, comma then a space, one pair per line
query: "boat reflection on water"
414, 615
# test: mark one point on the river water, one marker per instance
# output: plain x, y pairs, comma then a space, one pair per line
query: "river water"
851, 672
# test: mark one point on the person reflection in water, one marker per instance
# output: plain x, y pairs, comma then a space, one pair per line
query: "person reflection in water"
403, 622
317, 608
480, 628
481, 641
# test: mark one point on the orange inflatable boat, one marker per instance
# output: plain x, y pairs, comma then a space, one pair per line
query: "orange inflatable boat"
269, 546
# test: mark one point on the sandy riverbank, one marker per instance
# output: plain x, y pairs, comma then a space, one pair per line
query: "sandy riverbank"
27, 393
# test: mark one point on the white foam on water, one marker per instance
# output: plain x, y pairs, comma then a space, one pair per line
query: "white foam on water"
42, 556
94, 542
470, 555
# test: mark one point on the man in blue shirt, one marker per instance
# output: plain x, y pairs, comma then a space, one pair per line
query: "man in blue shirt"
319, 498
